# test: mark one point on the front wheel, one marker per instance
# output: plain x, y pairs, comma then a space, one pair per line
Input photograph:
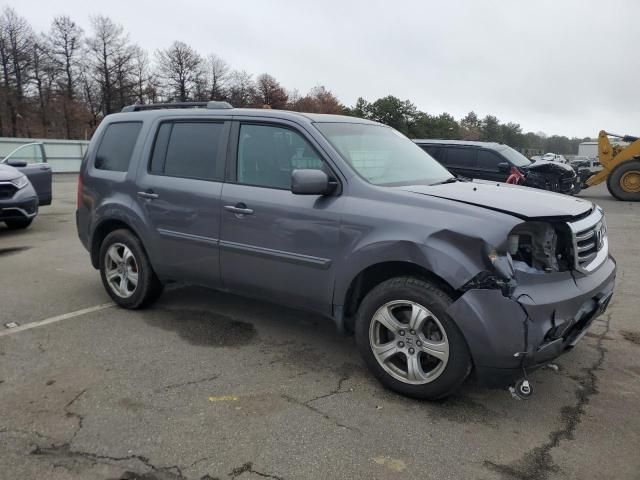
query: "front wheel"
409, 342
126, 271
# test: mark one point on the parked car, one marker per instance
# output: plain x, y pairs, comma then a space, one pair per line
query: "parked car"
31, 160
554, 157
349, 219
592, 164
500, 163
18, 199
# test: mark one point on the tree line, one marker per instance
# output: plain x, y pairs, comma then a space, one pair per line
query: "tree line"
62, 82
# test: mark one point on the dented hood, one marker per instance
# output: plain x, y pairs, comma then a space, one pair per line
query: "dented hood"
522, 202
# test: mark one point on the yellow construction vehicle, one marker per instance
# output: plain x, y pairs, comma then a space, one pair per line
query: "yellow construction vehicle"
621, 167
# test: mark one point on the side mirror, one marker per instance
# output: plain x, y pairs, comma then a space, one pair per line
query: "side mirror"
14, 162
311, 182
504, 167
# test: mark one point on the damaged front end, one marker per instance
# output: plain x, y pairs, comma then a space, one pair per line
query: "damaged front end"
552, 176
540, 292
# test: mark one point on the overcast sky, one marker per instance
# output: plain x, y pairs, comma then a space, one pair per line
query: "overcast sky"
561, 67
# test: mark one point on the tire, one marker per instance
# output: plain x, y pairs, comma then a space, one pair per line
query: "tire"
122, 255
18, 224
400, 298
623, 182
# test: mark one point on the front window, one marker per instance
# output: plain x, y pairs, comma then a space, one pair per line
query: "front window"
383, 156
515, 157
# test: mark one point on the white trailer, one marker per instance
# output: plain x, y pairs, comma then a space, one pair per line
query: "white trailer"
588, 149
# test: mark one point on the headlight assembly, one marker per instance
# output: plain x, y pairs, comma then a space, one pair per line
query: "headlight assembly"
20, 182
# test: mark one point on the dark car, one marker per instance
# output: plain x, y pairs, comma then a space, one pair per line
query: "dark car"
498, 162
18, 199
349, 219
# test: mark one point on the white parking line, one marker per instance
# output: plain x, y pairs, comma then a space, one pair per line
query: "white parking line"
58, 318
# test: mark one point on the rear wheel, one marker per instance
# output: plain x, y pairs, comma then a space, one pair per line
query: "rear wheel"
624, 181
19, 223
126, 271
409, 342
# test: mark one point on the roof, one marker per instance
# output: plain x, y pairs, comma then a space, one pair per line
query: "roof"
491, 145
237, 112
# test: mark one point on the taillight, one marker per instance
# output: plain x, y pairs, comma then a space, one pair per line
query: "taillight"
79, 192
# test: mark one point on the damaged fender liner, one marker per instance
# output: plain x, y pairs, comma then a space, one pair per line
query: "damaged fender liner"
546, 315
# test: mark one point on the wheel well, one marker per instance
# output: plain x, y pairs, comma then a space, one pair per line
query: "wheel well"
104, 229
371, 276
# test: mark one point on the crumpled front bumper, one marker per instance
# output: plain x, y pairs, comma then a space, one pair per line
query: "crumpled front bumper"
546, 315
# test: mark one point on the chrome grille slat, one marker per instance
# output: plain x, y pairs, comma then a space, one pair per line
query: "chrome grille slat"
590, 244
582, 236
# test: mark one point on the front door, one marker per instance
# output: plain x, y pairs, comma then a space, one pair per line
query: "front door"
274, 244
178, 193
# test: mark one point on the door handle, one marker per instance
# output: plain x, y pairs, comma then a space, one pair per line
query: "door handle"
239, 209
148, 195
45, 167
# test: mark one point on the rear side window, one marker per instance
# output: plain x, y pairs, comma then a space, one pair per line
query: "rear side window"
116, 146
461, 157
189, 150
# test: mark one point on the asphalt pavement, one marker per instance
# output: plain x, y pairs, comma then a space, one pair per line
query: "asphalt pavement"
208, 385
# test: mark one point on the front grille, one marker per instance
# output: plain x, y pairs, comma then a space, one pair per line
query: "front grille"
590, 246
587, 245
7, 190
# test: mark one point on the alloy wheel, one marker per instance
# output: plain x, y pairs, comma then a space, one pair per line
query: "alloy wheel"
409, 342
121, 270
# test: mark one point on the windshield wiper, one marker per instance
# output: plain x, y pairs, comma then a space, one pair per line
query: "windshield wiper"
448, 180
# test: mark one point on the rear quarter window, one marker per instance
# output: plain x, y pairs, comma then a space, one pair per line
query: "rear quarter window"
116, 146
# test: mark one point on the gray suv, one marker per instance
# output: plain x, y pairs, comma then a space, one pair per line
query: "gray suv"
347, 218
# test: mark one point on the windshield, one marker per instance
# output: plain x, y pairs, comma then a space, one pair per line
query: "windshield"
515, 157
383, 156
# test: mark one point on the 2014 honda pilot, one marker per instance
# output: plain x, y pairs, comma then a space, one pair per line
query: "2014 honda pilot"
347, 218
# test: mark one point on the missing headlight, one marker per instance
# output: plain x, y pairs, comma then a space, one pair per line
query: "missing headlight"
538, 247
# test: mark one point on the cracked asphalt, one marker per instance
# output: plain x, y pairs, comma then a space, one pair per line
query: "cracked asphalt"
206, 385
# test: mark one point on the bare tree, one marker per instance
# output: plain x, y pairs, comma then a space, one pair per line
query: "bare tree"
44, 75
111, 55
180, 66
269, 92
144, 85
241, 88
218, 73
65, 40
16, 47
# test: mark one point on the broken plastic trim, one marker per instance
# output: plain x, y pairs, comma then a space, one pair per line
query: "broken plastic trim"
486, 280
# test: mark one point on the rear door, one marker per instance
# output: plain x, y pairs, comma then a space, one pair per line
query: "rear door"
274, 244
178, 192
37, 170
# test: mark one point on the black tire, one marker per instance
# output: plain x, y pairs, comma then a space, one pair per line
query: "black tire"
148, 288
615, 179
19, 223
427, 295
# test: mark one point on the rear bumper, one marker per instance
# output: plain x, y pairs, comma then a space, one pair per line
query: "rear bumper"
546, 316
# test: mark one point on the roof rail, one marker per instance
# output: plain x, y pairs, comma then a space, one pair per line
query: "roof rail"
158, 106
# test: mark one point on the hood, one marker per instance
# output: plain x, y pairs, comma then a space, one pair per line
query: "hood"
7, 172
555, 168
519, 201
